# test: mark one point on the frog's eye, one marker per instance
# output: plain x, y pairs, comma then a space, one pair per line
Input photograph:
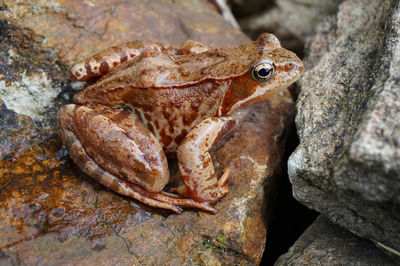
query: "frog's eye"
263, 71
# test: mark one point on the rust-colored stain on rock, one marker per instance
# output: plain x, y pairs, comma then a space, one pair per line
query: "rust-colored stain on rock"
41, 192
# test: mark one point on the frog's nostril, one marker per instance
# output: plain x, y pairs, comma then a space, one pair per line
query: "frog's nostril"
293, 66
289, 66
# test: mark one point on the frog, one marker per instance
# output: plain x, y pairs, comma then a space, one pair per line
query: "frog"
149, 101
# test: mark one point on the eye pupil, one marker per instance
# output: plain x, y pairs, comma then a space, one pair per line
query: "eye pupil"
262, 71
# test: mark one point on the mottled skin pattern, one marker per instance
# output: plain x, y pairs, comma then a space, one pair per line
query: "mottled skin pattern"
154, 100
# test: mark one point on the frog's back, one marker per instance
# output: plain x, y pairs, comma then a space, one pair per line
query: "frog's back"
157, 69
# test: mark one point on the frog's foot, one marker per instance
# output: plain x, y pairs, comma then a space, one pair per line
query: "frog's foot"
195, 162
173, 200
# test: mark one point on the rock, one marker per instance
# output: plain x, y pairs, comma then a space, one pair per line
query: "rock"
51, 213
325, 243
347, 164
291, 20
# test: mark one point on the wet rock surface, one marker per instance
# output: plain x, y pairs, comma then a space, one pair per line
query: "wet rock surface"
347, 163
325, 243
51, 213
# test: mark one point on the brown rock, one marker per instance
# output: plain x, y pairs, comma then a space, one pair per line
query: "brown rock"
50, 212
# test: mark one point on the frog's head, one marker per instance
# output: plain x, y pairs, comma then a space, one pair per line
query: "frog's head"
273, 69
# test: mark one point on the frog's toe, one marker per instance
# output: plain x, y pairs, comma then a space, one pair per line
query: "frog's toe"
174, 200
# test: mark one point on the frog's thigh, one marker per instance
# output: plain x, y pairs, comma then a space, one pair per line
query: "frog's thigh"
118, 142
104, 61
91, 168
195, 162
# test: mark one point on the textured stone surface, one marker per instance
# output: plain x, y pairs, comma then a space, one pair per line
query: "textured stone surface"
291, 20
325, 243
50, 212
347, 164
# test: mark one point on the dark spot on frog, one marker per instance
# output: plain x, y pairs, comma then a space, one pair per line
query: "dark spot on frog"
178, 139
88, 68
123, 56
166, 114
165, 139
188, 119
129, 156
104, 67
151, 128
147, 116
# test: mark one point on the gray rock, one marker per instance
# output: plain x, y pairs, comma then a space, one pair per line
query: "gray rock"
347, 165
324, 243
291, 20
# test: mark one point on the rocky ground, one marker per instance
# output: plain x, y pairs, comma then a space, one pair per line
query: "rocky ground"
345, 164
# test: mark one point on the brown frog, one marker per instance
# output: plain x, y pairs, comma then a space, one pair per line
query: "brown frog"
153, 101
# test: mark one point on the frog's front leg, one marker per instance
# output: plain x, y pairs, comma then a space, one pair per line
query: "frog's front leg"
195, 162
118, 151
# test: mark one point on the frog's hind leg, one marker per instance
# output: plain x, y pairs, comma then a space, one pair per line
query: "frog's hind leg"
158, 200
104, 61
115, 149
